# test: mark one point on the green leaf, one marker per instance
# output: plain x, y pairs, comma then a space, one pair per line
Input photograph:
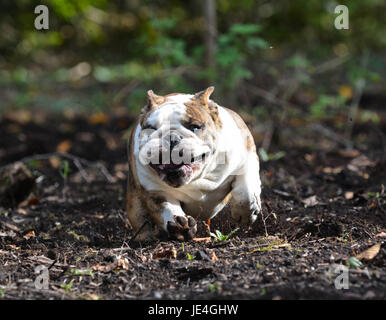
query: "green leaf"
231, 233
355, 263
246, 29
298, 61
257, 42
64, 169
213, 235
263, 155
190, 256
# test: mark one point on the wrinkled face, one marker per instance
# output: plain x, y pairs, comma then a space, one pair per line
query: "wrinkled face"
177, 139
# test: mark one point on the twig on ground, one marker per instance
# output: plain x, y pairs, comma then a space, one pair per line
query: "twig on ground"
205, 239
331, 135
269, 96
329, 65
78, 162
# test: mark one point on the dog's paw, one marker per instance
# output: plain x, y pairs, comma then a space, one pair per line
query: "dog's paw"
245, 214
183, 228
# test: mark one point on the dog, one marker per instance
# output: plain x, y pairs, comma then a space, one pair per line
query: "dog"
188, 158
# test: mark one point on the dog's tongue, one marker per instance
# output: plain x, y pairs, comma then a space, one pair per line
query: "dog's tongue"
168, 166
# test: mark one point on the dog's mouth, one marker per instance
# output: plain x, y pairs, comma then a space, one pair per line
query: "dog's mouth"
170, 167
178, 174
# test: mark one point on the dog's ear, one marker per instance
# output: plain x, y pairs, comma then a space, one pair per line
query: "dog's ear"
202, 98
204, 95
153, 101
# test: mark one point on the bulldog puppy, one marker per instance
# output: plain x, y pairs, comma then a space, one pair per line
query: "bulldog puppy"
188, 158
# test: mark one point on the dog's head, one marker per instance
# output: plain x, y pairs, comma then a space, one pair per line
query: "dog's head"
178, 135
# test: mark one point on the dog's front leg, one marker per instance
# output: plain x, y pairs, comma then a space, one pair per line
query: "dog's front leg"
169, 217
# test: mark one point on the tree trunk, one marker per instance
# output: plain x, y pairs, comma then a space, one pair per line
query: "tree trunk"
210, 33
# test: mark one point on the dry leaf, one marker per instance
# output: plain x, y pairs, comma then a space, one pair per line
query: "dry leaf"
98, 118
93, 296
345, 91
10, 226
379, 235
169, 253
370, 253
332, 170
54, 162
310, 201
29, 235
64, 146
349, 195
206, 239
213, 256
120, 175
69, 114
361, 161
21, 116
32, 200
110, 140
349, 153
141, 257
121, 166
85, 136
123, 263
107, 268
13, 246
21, 211
310, 157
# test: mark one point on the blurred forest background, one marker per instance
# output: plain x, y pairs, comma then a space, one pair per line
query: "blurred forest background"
279, 62
313, 97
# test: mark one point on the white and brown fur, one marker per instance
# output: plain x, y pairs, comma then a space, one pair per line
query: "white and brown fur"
229, 174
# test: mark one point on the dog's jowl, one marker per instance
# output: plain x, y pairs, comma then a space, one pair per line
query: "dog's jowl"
189, 157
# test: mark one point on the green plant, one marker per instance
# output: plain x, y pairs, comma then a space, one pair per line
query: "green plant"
190, 256
214, 286
81, 272
355, 263
64, 170
67, 286
326, 105
233, 50
270, 156
221, 237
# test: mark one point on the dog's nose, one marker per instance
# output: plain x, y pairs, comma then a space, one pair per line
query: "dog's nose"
174, 140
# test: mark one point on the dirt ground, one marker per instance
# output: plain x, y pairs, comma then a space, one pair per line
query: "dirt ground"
323, 204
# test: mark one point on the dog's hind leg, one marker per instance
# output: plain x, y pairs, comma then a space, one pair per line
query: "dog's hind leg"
246, 190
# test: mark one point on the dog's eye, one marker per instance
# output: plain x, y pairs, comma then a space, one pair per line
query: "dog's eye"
148, 126
195, 127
